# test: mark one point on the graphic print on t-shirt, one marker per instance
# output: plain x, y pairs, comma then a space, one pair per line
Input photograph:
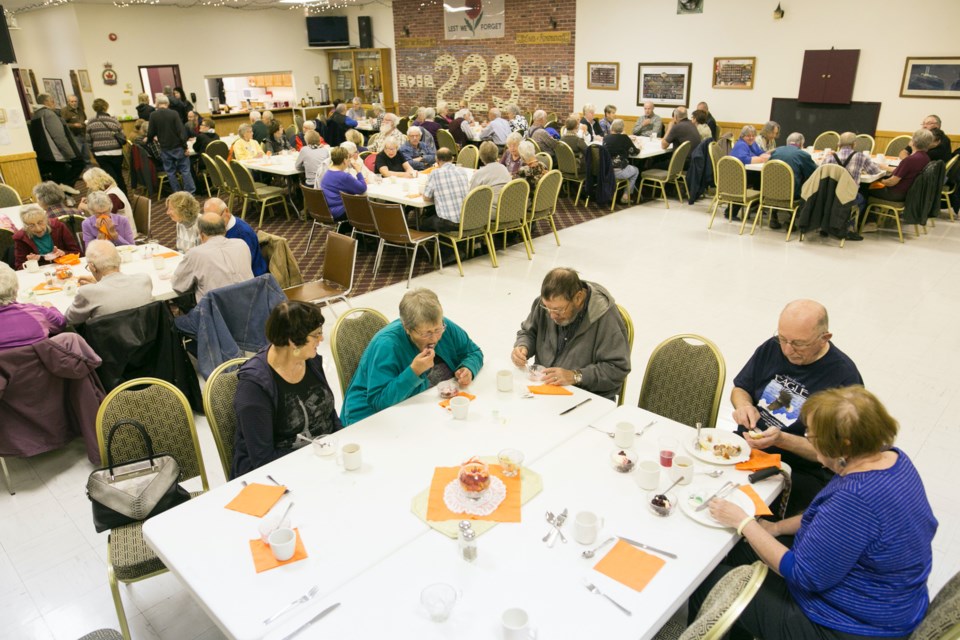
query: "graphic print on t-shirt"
304, 416
780, 402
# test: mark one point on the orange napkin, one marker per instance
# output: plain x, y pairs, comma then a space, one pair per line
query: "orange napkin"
630, 566
876, 185
508, 511
762, 508
550, 390
256, 499
43, 286
760, 460
263, 559
69, 258
168, 254
427, 170
446, 403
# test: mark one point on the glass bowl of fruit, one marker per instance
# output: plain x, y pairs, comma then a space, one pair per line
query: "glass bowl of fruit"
474, 478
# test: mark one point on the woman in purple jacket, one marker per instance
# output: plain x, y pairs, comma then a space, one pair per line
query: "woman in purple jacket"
338, 180
23, 324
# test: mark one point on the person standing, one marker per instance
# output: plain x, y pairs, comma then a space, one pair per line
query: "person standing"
76, 120
167, 129
106, 139
58, 156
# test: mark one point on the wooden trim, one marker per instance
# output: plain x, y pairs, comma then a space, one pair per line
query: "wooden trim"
28, 155
21, 172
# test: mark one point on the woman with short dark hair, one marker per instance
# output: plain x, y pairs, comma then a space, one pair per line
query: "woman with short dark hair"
106, 139
276, 142
283, 399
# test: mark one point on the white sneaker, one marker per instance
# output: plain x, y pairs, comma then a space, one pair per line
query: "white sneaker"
69, 190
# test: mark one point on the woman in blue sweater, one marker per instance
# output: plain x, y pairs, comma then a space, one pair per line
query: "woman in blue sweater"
338, 180
856, 562
410, 355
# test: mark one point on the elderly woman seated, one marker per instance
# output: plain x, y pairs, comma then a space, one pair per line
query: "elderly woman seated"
856, 562
283, 400
245, 147
410, 355
41, 238
183, 209
313, 159
746, 149
276, 141
50, 196
532, 169
24, 324
103, 225
337, 180
767, 138
511, 155
391, 163
97, 179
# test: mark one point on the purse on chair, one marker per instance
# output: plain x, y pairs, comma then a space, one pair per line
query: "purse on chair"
136, 490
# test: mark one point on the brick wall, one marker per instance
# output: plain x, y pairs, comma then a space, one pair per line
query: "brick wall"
482, 70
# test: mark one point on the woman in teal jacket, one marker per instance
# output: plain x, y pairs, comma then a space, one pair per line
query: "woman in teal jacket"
410, 355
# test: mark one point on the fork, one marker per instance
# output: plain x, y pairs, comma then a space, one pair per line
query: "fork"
270, 478
593, 588
309, 595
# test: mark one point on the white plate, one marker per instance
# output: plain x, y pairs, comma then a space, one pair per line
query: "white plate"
719, 437
688, 506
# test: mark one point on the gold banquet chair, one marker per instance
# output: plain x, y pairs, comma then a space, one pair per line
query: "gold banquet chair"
251, 191
164, 412
673, 174
898, 144
684, 380
942, 620
544, 204
9, 196
545, 159
949, 187
349, 339
316, 208
827, 140
732, 189
567, 164
776, 192
511, 209
218, 395
468, 157
628, 323
445, 139
864, 142
474, 223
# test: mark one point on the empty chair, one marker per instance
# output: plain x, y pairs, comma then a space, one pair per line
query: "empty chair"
350, 338
445, 139
468, 157
9, 196
544, 204
776, 192
73, 222
339, 269
898, 144
826, 140
569, 171
315, 205
229, 179
142, 216
217, 148
545, 159
357, 208
212, 176
218, 395
253, 192
684, 380
511, 210
628, 323
392, 228
673, 174
864, 142
474, 223
732, 189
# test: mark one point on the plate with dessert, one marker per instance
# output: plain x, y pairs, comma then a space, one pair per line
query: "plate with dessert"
718, 447
690, 500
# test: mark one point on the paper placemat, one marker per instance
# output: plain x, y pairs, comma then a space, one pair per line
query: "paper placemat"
630, 566
762, 508
508, 511
759, 460
530, 485
263, 559
256, 499
550, 390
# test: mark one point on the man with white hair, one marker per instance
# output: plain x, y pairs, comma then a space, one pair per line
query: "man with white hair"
516, 119
167, 128
388, 131
417, 155
239, 229
538, 133
298, 140
107, 290
800, 161
260, 130
430, 124
649, 123
57, 153
497, 130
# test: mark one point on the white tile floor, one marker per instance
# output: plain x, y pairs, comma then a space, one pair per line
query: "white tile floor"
891, 309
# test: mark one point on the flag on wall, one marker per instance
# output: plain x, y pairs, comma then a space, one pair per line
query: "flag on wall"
473, 19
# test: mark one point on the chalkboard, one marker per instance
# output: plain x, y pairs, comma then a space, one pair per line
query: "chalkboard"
811, 119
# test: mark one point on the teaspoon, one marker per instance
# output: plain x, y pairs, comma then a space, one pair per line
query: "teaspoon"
716, 473
589, 553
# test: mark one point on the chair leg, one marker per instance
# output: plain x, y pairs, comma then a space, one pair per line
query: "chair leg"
243, 210
6, 476
456, 254
437, 253
714, 206
793, 219
575, 200
746, 214
556, 236
313, 228
263, 211
117, 602
663, 193
526, 241
376, 261
491, 249
413, 261
758, 218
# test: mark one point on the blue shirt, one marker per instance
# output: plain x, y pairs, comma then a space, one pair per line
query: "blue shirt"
497, 131
420, 151
243, 231
336, 182
861, 558
745, 152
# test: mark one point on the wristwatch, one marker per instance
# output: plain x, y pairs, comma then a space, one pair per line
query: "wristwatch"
577, 376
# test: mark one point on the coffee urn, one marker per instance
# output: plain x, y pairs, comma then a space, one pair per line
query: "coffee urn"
324, 90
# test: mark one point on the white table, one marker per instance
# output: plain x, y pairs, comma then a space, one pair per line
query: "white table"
368, 551
282, 164
648, 148
398, 189
865, 178
162, 287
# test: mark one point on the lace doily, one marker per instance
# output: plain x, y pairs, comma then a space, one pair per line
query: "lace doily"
458, 502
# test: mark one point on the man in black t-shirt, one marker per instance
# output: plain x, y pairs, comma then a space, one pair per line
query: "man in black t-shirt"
772, 387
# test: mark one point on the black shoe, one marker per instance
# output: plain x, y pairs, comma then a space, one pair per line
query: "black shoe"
824, 234
853, 236
775, 223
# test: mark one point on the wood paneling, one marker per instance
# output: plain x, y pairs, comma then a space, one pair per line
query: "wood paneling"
20, 171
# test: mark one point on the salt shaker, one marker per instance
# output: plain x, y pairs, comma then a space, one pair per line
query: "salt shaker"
468, 544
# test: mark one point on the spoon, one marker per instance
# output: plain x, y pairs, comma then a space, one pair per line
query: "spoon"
663, 496
589, 553
552, 520
283, 517
716, 473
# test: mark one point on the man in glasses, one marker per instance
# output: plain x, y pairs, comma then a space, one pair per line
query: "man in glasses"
783, 372
576, 331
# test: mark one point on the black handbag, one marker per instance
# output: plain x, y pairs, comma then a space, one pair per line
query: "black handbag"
136, 490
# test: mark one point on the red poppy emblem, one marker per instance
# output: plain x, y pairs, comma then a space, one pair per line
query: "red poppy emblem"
474, 8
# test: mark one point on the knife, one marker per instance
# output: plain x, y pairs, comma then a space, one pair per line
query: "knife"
648, 547
728, 484
312, 620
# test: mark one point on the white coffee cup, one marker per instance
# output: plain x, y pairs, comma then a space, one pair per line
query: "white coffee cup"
623, 435
159, 262
586, 527
32, 266
325, 445
647, 475
516, 625
682, 469
283, 543
70, 288
351, 457
504, 380
460, 406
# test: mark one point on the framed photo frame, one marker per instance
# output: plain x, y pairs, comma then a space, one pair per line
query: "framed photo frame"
603, 75
84, 80
665, 84
734, 73
931, 78
54, 88
27, 81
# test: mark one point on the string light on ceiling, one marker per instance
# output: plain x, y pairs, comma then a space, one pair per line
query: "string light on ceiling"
308, 6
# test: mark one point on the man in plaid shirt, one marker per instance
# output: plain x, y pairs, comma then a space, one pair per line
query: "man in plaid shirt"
446, 188
855, 163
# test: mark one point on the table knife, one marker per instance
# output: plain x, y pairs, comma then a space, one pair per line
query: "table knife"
706, 502
312, 620
648, 547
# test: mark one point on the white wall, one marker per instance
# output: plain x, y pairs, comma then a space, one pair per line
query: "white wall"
886, 33
14, 136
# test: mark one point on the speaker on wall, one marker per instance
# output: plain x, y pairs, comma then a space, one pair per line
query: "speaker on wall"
7, 56
365, 26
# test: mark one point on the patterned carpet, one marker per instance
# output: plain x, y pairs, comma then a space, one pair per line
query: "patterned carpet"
395, 262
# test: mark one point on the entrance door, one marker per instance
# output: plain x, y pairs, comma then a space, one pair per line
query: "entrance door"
154, 78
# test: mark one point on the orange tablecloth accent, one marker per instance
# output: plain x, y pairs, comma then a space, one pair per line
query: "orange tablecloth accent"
630, 566
760, 460
508, 511
168, 254
256, 499
446, 402
762, 508
263, 559
550, 390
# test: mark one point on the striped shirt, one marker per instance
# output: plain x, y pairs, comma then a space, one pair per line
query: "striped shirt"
447, 187
860, 561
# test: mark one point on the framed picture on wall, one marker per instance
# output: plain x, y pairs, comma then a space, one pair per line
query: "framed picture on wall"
54, 88
734, 73
26, 79
84, 80
603, 75
931, 78
665, 84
